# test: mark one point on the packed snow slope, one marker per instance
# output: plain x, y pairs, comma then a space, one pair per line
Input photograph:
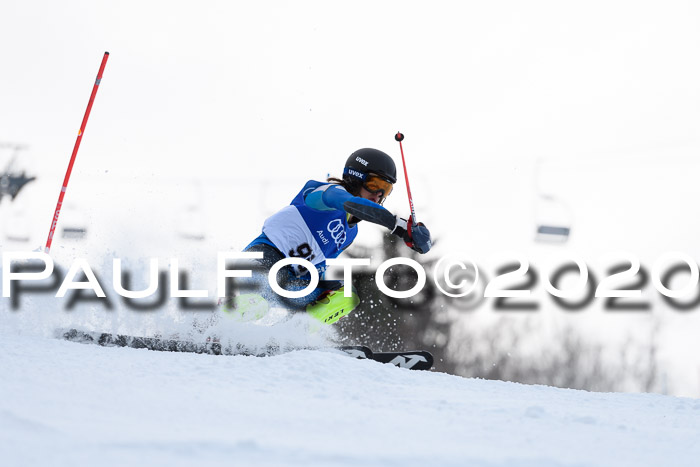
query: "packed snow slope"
63, 403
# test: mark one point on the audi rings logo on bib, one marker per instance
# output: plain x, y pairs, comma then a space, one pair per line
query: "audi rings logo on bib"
337, 231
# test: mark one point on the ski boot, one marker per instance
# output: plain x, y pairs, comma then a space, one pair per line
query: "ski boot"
246, 307
332, 305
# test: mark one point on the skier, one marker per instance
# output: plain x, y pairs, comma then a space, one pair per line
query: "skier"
320, 223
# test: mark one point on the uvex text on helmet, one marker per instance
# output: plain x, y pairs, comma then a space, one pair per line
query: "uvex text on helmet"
368, 160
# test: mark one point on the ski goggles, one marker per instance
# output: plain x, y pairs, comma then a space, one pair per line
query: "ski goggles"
375, 184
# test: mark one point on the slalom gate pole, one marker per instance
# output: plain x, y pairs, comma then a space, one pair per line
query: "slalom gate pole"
54, 221
399, 138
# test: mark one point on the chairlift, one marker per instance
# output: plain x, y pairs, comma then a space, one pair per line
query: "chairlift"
16, 228
190, 223
73, 224
553, 217
73, 232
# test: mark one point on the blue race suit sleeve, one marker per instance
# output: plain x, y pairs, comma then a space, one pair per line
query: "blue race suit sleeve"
328, 199
335, 197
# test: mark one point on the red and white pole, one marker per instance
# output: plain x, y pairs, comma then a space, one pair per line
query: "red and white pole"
399, 138
54, 221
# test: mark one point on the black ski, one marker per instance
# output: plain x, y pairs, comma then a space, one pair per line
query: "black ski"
414, 360
151, 343
211, 347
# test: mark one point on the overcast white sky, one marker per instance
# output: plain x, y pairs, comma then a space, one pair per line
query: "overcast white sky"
284, 87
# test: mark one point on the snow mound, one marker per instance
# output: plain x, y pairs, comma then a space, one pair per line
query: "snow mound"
64, 403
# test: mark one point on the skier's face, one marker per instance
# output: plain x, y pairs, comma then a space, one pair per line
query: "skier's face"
376, 197
376, 188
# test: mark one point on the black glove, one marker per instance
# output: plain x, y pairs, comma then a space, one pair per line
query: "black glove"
416, 236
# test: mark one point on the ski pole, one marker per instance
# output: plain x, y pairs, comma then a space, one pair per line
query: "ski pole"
399, 138
54, 221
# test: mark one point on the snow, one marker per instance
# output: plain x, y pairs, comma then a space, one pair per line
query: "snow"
65, 403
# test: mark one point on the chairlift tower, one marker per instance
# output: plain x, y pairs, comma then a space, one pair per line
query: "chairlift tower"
11, 181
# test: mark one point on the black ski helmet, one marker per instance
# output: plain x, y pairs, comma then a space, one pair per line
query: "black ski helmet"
366, 161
